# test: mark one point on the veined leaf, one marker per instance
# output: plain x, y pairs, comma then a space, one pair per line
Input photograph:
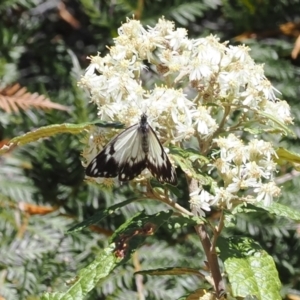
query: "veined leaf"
251, 271
277, 209
140, 220
186, 159
278, 124
285, 155
171, 271
125, 241
51, 130
88, 277
184, 220
99, 216
281, 210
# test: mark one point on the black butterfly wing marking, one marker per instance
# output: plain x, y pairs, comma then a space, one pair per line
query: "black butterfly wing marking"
158, 162
122, 157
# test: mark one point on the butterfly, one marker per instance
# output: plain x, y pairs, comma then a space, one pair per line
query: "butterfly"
132, 151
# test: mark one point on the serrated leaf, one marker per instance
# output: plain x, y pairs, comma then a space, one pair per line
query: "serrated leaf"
99, 216
285, 155
251, 271
140, 220
134, 231
47, 131
281, 210
171, 271
277, 209
88, 277
126, 240
247, 209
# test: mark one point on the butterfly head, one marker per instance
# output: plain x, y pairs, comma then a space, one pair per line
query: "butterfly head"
144, 119
144, 126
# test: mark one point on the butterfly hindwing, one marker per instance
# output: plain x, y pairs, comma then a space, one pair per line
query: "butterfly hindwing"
158, 162
101, 166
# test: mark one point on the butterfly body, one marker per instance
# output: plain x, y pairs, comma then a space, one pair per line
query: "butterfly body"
132, 151
144, 128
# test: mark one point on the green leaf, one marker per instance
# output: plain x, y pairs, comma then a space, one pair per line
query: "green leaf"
99, 216
254, 130
277, 209
285, 155
51, 130
200, 294
184, 221
171, 271
187, 159
88, 277
148, 223
281, 210
278, 125
251, 271
125, 241
130, 235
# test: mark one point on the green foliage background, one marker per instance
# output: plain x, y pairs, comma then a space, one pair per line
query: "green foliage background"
44, 52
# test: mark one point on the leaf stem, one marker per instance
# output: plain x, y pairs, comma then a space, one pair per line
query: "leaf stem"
165, 199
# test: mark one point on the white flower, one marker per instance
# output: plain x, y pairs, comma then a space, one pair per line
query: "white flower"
178, 38
206, 125
238, 53
266, 192
168, 110
240, 184
222, 166
200, 201
244, 167
280, 110
224, 198
205, 85
259, 149
184, 131
230, 148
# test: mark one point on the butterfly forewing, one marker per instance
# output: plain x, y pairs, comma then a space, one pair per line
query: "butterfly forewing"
133, 160
130, 152
158, 162
107, 163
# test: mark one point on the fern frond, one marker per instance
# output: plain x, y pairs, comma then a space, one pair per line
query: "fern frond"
187, 12
13, 98
14, 184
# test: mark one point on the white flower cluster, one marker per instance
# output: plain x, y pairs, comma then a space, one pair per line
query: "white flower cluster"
204, 81
246, 167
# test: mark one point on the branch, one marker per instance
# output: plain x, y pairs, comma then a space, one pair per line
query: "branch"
138, 277
209, 249
165, 199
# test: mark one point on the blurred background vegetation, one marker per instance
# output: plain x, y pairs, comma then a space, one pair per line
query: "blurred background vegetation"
44, 47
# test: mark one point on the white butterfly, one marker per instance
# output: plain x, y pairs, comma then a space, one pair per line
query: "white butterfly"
130, 152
